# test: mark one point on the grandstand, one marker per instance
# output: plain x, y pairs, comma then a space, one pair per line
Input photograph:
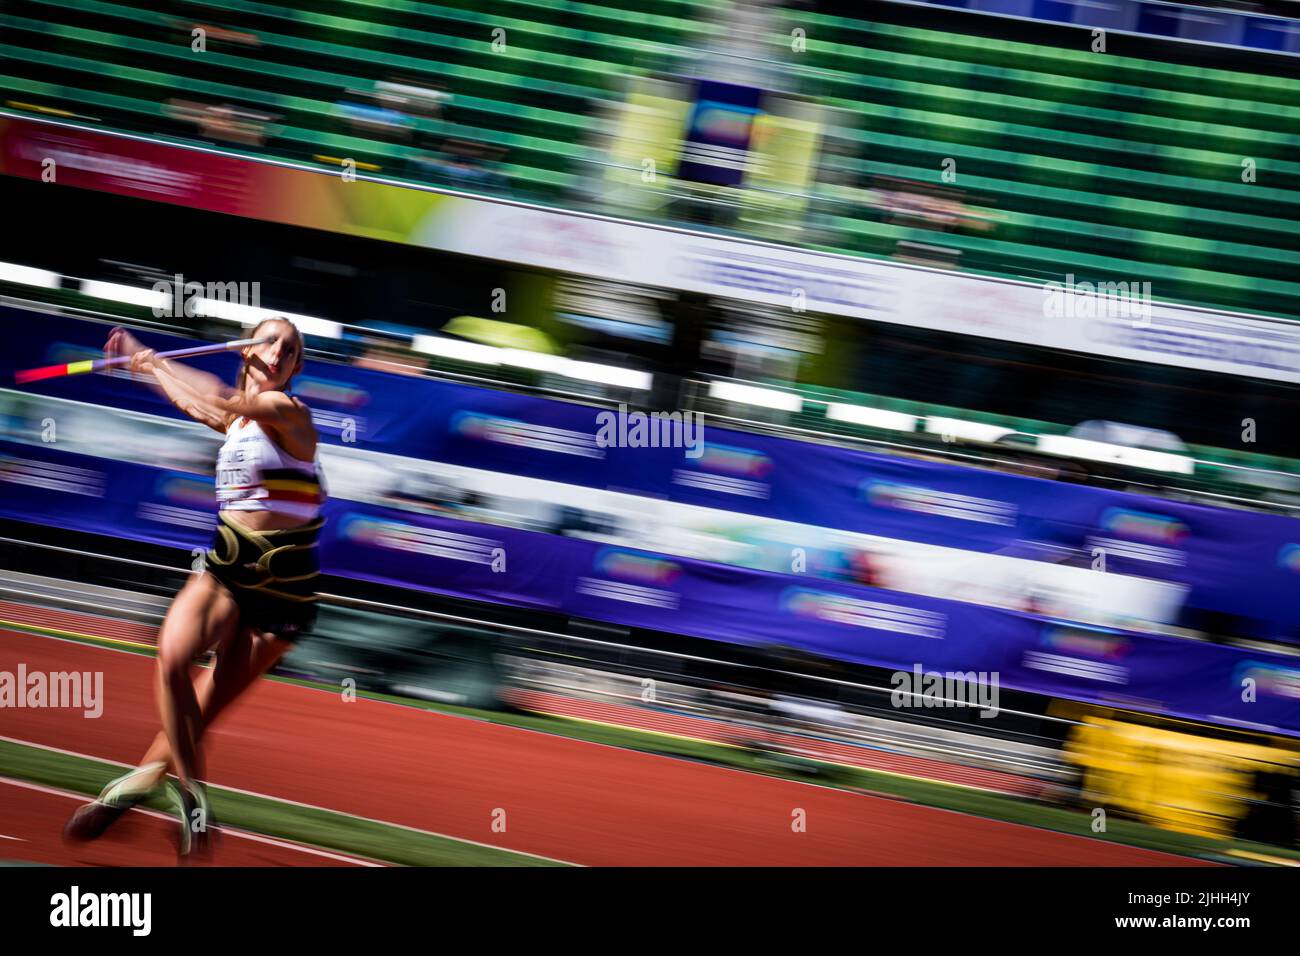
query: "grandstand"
1092, 165
1080, 163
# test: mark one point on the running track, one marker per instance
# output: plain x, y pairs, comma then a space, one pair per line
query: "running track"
138, 839
562, 798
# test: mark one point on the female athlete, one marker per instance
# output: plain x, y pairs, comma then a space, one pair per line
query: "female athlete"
256, 594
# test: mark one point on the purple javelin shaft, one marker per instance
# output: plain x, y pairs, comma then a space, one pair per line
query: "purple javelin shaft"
185, 353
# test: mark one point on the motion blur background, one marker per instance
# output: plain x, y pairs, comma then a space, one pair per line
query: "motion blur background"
989, 309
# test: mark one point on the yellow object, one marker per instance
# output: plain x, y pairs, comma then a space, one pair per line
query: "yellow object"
339, 161
1174, 779
35, 108
504, 335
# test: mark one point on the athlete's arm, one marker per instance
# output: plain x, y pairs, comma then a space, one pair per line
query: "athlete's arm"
211, 401
196, 398
183, 388
207, 399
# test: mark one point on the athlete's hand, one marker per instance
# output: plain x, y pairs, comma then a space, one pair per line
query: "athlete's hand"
121, 342
142, 361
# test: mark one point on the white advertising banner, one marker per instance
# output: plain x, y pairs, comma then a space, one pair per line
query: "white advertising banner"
1120, 322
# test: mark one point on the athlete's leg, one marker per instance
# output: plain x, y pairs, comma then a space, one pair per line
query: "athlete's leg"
158, 758
248, 655
203, 616
156, 763
254, 653
240, 661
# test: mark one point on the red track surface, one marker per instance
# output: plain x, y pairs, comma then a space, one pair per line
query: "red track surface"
76, 622
719, 731
138, 839
562, 798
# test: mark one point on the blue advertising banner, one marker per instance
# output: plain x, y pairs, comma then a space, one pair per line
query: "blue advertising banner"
464, 559
584, 578
1144, 672
1234, 562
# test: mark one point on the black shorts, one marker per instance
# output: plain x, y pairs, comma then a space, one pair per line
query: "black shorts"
271, 574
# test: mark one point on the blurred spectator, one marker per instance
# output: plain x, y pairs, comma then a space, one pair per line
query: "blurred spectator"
389, 110
195, 24
411, 97
214, 33
380, 353
465, 164
923, 206
371, 116
222, 123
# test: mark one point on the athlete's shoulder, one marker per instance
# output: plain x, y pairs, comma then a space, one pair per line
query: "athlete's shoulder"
277, 406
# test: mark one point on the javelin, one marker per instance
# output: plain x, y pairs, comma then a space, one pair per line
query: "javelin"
96, 365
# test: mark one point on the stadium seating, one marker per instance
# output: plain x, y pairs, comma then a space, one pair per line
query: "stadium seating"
84, 57
1100, 166
1096, 165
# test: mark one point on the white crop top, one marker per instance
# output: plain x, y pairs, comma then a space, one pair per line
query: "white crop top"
256, 474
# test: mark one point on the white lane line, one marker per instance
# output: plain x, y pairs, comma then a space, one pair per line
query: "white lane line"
226, 831
295, 803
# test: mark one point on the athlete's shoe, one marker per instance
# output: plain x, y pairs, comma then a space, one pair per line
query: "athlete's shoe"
197, 824
91, 820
